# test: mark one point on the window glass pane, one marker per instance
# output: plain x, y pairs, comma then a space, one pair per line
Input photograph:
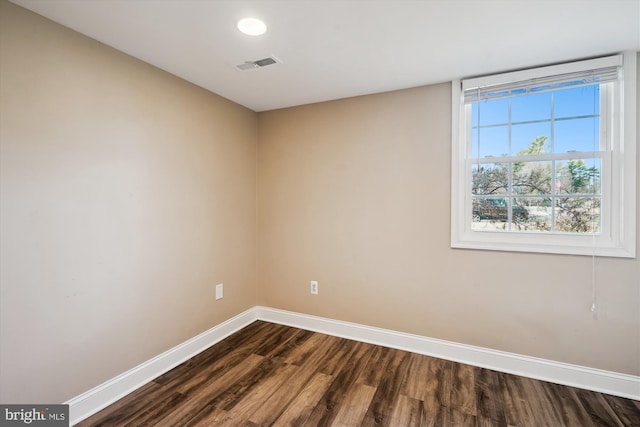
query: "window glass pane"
531, 177
531, 107
532, 214
577, 135
492, 112
490, 178
494, 141
524, 137
474, 116
580, 101
490, 214
582, 176
578, 214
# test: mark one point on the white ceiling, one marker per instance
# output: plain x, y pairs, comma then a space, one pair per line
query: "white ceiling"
340, 48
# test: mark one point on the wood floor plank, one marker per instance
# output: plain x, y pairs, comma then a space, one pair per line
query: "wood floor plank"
234, 350
388, 391
354, 405
274, 375
293, 344
206, 374
237, 390
346, 374
198, 406
463, 395
336, 356
627, 410
415, 385
243, 341
409, 412
316, 343
598, 409
215, 418
123, 409
542, 403
444, 372
517, 409
373, 371
302, 406
275, 343
434, 391
448, 416
154, 414
259, 401
489, 404
282, 397
573, 413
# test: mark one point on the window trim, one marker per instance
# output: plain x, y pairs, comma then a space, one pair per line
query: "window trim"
618, 238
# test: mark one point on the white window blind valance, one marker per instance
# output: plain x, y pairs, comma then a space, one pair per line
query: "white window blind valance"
596, 71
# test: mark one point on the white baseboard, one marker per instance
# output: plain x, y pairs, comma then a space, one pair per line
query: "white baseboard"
90, 402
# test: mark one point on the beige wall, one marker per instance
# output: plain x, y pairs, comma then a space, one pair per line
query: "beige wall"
355, 193
126, 195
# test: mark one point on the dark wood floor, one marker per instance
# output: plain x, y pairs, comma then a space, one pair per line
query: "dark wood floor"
269, 374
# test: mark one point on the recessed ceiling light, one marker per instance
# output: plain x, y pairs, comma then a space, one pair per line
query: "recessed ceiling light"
252, 26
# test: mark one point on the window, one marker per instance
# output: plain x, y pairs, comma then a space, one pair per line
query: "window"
543, 160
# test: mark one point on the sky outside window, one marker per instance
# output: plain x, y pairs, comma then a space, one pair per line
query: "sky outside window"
569, 119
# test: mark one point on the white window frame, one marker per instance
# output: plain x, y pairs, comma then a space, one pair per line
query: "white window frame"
618, 235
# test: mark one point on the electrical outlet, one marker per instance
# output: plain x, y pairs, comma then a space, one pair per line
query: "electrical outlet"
219, 291
314, 287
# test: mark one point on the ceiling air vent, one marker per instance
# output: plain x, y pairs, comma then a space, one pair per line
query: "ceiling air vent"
251, 65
